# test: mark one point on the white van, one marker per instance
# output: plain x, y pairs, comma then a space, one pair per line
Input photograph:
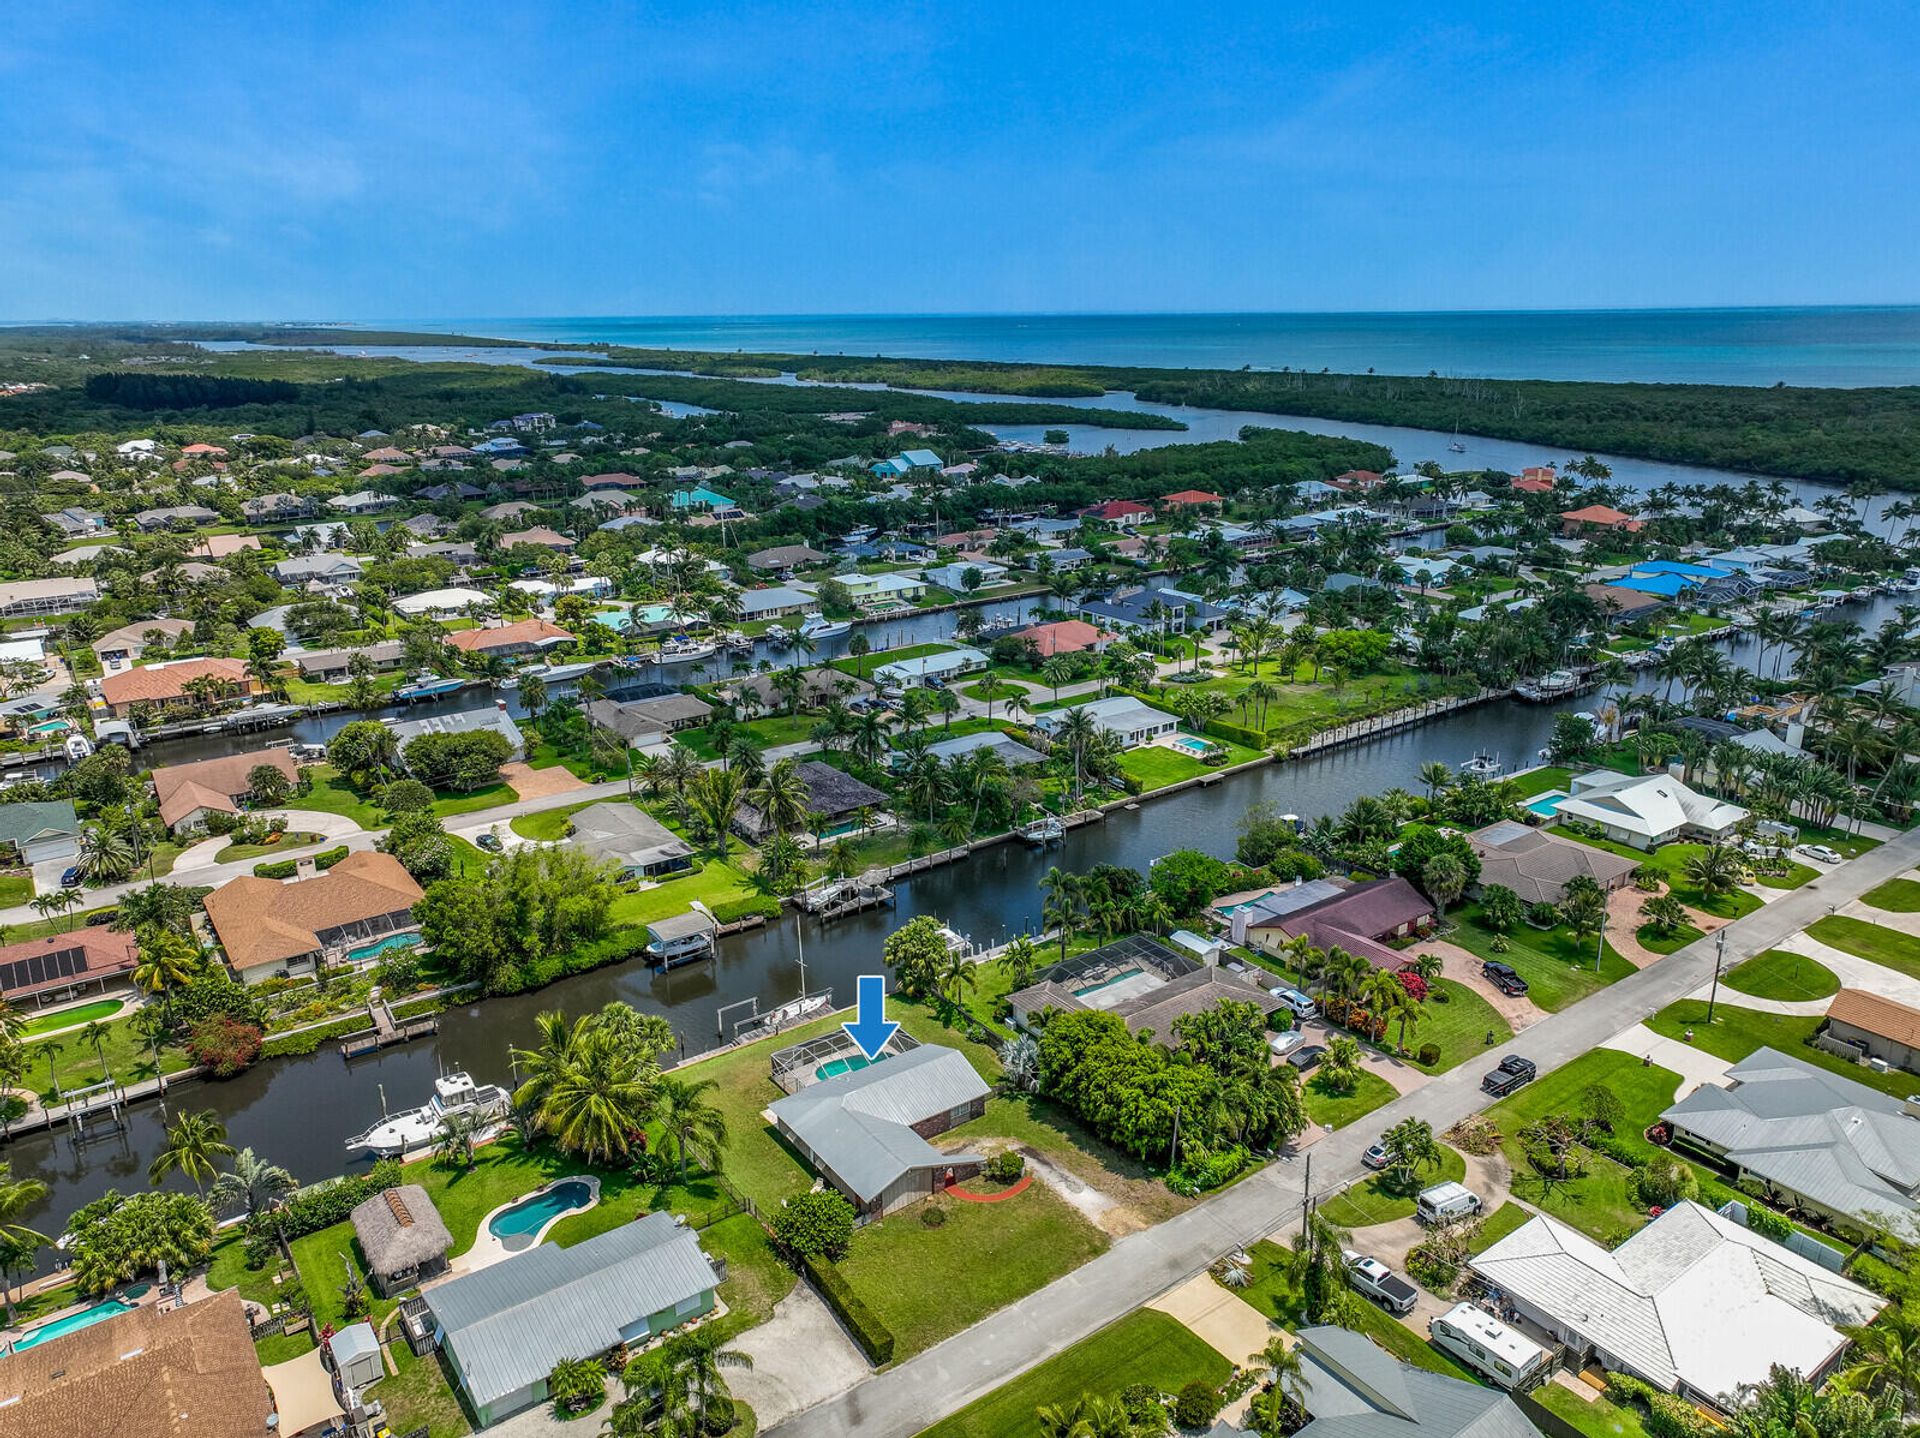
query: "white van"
1504, 1354
1446, 1203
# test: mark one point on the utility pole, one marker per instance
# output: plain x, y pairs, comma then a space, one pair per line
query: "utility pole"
1600, 946
1719, 957
1173, 1149
1306, 1194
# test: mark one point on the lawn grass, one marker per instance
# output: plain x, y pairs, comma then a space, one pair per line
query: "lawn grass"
548, 825
1896, 896
420, 1394
485, 797
1796, 875
1652, 940
1498, 1224
929, 1282
1274, 1293
1671, 861
1557, 966
67, 1018
864, 665
1459, 1027
1156, 766
15, 890
76, 1064
1146, 1346
1736, 1032
1889, 947
1539, 781
716, 883
43, 928
1337, 1110
329, 793
775, 729
1387, 1196
292, 839
1779, 974
1598, 1417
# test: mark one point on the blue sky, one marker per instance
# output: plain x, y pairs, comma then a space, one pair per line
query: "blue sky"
428, 160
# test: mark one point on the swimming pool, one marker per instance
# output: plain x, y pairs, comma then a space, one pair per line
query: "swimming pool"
72, 1323
1548, 804
381, 946
1199, 748
529, 1216
851, 1064
1105, 984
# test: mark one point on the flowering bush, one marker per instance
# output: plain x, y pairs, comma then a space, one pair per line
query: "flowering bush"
1415, 986
226, 1045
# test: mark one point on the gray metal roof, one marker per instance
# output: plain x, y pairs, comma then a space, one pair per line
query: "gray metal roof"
860, 1123
513, 1320
1357, 1390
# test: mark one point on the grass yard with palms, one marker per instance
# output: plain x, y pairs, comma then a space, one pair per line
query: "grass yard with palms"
1385, 1196
1458, 1027
1146, 1346
1557, 965
716, 883
1736, 1032
1671, 861
76, 1063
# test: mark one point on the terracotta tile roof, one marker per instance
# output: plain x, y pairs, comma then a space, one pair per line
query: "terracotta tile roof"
1533, 486
188, 1373
1877, 1015
1598, 514
264, 921
540, 534
505, 636
1066, 636
168, 681
212, 783
1191, 496
89, 952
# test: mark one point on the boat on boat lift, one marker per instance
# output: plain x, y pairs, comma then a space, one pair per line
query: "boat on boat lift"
821, 628
1482, 766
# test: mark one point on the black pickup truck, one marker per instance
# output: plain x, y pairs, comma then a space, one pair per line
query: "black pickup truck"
1513, 1072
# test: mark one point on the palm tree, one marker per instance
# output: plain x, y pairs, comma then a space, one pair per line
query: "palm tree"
956, 976
1340, 1068
598, 1100
195, 1144
682, 1111
96, 1033
782, 796
715, 797
1436, 776
18, 1243
1284, 1369
1887, 1357
252, 1183
575, 1384
52, 1048
455, 1142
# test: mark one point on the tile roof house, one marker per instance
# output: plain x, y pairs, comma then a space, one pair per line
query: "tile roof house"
1693, 1303
1833, 1145
1067, 636
61, 965
784, 558
1353, 1388
1355, 920
334, 666
1537, 865
634, 718
629, 837
188, 1372
503, 1327
1869, 1025
189, 792
526, 636
1647, 811
1598, 516
831, 792
402, 1236
167, 683
126, 644
1187, 498
272, 929
1123, 513
540, 536
866, 1131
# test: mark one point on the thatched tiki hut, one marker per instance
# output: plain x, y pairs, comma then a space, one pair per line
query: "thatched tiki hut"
402, 1237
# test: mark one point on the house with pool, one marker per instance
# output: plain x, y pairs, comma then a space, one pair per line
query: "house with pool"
502, 1328
352, 913
1140, 980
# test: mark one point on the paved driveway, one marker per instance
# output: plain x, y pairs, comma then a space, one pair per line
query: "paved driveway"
801, 1356
1695, 1066
1223, 1320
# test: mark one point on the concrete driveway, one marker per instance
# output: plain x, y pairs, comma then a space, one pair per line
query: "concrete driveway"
1695, 1066
801, 1356
1221, 1319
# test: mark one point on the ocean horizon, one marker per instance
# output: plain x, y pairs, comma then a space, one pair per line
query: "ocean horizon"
1843, 346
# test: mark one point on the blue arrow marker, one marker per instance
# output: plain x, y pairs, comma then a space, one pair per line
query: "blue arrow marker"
872, 1028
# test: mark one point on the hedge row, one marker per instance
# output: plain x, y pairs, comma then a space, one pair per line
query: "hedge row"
287, 868
873, 1336
734, 910
309, 1040
620, 944
1238, 734
312, 1209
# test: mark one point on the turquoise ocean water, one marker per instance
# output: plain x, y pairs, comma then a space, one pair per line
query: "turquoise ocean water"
1807, 346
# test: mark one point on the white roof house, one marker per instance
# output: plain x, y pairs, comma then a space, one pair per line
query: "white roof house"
943, 665
1647, 810
439, 603
1693, 1303
1838, 1146
1125, 718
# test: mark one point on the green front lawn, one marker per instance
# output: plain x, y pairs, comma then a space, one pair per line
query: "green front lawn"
1778, 974
486, 797
864, 666
1671, 861
1795, 876
1146, 1346
292, 839
1459, 1027
1652, 940
1337, 1110
15, 889
1737, 1032
547, 825
1498, 1224
330, 793
1156, 766
1598, 1417
1385, 1196
929, 1282
1890, 947
1557, 966
770, 732
1896, 896
716, 883
1274, 1293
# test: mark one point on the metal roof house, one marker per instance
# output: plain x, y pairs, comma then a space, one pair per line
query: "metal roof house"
631, 838
1356, 1389
1647, 811
1693, 1303
1836, 1146
866, 1131
1129, 721
503, 1327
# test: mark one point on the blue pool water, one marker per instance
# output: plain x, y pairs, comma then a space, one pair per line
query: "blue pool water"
529, 1216
1105, 984
852, 1063
380, 946
85, 1318
1198, 747
1548, 804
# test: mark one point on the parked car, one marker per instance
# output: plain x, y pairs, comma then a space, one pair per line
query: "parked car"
1822, 853
490, 842
1377, 1156
70, 877
1503, 977
1308, 1057
1295, 1002
1286, 1043
1446, 1203
1380, 1283
1513, 1072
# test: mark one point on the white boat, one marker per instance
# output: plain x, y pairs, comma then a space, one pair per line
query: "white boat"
682, 650
1482, 766
794, 1010
818, 628
558, 673
1042, 831
454, 1093
1455, 445
78, 746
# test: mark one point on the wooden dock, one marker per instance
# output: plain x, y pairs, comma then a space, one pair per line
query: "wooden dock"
386, 1032
857, 902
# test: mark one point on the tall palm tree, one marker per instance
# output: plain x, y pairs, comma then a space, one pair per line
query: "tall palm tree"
598, 1100
252, 1183
782, 796
96, 1033
715, 797
195, 1144
1887, 1358
683, 1113
1436, 776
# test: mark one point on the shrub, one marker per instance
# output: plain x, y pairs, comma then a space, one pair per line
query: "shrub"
814, 1225
215, 992
287, 868
732, 911
115, 1239
1146, 1411
1429, 1054
1768, 1224
932, 1215
538, 973
1196, 1406
874, 1337
322, 1206
1006, 1166
1499, 944
225, 1045
1196, 1176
